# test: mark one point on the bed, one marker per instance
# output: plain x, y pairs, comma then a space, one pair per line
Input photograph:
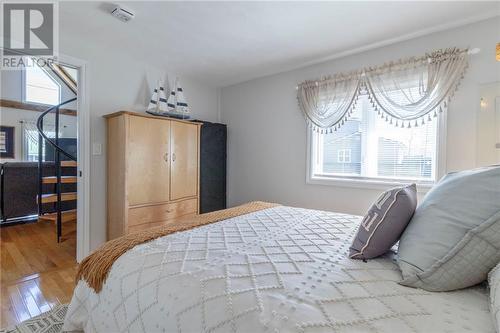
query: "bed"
281, 269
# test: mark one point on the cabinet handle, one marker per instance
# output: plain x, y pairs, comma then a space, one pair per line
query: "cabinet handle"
165, 157
173, 157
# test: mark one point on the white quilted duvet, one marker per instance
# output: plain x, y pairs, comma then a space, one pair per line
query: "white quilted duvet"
282, 269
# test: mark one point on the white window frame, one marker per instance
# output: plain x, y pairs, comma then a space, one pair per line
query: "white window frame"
375, 183
23, 88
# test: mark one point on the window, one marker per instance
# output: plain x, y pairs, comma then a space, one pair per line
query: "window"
40, 87
344, 156
71, 71
367, 147
30, 140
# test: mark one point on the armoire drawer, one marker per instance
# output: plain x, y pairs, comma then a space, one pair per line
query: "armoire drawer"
161, 213
145, 226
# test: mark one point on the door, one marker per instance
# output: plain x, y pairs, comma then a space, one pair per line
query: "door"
497, 127
148, 161
184, 173
488, 126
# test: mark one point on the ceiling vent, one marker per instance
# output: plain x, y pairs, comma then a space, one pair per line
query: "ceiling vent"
122, 14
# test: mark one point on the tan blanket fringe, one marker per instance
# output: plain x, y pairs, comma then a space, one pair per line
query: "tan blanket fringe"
95, 268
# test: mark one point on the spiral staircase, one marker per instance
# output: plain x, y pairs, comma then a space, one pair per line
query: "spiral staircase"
50, 205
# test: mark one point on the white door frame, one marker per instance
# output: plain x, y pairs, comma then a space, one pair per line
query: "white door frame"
83, 153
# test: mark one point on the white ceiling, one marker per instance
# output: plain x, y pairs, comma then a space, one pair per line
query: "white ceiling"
223, 43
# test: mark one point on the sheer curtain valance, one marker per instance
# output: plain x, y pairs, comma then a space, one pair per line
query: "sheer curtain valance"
403, 92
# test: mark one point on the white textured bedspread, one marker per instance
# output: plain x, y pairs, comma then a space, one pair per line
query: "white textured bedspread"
282, 269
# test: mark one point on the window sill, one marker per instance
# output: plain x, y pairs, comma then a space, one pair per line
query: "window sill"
374, 184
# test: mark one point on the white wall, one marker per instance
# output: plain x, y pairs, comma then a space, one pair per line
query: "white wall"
14, 117
118, 82
267, 132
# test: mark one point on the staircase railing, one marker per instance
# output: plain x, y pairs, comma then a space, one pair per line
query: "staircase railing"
42, 137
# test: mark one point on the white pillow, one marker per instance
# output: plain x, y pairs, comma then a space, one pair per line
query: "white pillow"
494, 282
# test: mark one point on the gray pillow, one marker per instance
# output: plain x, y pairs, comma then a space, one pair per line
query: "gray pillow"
385, 221
453, 240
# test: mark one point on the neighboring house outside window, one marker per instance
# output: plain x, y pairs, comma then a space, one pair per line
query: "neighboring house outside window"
367, 147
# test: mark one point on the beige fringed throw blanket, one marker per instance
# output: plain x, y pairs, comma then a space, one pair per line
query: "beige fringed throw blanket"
95, 268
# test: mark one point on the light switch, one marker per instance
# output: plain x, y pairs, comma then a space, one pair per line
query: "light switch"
96, 148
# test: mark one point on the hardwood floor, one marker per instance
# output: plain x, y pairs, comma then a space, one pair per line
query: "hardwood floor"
36, 272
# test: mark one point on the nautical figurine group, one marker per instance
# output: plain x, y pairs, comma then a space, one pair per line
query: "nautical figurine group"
173, 106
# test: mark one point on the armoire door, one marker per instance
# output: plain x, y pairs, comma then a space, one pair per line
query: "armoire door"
148, 161
184, 166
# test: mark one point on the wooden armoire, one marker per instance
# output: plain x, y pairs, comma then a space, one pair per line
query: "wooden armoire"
153, 171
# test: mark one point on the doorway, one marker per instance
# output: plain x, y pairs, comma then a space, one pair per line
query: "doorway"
38, 260
488, 126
